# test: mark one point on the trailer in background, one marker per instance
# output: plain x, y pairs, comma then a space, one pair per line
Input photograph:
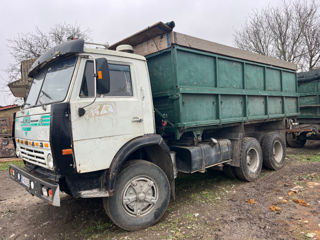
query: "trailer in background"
307, 126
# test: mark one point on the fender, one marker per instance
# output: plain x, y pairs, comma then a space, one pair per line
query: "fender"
131, 147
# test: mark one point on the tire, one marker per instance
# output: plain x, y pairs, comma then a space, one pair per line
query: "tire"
274, 151
144, 180
250, 160
295, 142
229, 171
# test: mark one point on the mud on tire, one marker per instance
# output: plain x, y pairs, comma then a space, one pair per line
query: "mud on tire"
250, 160
274, 151
141, 197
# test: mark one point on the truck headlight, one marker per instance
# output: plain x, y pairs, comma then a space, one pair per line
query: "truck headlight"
49, 161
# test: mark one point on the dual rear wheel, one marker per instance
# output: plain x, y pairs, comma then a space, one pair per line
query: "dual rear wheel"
271, 153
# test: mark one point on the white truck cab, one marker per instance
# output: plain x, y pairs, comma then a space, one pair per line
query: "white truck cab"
87, 112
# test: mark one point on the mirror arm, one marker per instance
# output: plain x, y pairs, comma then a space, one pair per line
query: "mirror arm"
81, 110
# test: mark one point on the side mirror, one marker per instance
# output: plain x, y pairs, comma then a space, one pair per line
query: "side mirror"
103, 76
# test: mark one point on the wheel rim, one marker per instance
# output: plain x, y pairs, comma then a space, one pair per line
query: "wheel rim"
277, 151
139, 196
253, 160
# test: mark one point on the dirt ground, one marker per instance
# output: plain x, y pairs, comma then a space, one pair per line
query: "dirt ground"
280, 205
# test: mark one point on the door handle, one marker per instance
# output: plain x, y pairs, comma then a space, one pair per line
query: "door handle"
136, 119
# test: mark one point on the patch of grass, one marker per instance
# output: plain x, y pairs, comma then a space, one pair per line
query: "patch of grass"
4, 166
95, 229
207, 188
211, 195
305, 157
311, 177
178, 227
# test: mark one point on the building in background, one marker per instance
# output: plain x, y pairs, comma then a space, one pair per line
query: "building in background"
6, 126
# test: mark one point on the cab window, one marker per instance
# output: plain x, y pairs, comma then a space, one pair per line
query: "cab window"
87, 86
120, 80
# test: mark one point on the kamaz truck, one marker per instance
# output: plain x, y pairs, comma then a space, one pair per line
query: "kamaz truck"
121, 122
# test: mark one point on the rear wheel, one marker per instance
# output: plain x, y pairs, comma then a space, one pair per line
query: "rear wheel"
250, 160
141, 197
296, 141
274, 151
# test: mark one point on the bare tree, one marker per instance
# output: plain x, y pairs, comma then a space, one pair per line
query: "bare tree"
311, 36
32, 45
254, 36
289, 32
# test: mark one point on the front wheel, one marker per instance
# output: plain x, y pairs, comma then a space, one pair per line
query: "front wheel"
141, 197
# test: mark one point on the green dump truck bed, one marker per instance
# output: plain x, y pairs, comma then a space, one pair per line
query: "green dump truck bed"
309, 91
198, 84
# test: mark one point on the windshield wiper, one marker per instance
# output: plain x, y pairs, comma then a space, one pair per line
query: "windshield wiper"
42, 105
46, 94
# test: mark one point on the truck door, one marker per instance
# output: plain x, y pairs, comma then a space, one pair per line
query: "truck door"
110, 121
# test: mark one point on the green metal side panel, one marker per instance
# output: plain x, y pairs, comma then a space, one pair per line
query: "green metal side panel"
162, 73
196, 90
230, 74
193, 107
257, 106
309, 91
289, 82
254, 77
202, 72
273, 79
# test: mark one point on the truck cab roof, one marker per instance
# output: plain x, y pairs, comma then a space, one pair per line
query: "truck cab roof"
113, 53
74, 47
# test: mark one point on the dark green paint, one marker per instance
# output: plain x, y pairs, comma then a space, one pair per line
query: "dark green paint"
198, 90
309, 90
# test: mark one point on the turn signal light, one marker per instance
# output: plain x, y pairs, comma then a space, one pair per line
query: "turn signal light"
99, 75
67, 151
50, 192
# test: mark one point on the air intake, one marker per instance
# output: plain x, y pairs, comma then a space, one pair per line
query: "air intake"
125, 48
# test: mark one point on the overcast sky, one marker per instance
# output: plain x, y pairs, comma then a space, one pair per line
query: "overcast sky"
112, 20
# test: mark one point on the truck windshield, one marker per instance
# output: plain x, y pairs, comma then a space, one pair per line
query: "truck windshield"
51, 83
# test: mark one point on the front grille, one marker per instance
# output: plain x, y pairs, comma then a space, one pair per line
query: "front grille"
32, 155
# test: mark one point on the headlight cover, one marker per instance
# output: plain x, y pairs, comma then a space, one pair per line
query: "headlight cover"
49, 161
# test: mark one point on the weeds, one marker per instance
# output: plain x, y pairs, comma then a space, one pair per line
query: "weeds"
305, 157
4, 166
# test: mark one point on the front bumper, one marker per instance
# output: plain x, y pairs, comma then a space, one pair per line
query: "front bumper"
36, 185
